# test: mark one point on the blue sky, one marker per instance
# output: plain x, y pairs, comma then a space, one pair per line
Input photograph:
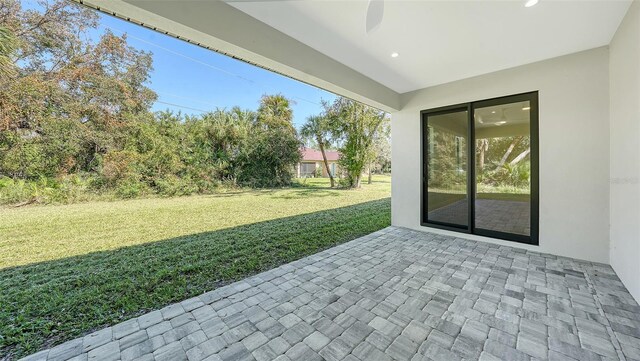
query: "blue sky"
197, 78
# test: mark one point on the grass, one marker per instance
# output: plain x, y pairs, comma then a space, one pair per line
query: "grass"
68, 270
440, 199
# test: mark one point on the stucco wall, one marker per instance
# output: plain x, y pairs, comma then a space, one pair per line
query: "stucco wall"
319, 166
625, 150
574, 148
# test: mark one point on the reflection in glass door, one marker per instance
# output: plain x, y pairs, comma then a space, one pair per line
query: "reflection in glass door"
503, 167
446, 157
480, 170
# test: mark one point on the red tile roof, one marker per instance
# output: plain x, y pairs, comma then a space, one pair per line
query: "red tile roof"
309, 154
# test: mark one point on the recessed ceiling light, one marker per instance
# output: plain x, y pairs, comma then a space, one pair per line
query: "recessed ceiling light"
500, 123
493, 112
394, 55
526, 108
530, 3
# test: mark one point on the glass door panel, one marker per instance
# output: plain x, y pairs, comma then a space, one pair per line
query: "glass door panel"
480, 168
503, 168
446, 164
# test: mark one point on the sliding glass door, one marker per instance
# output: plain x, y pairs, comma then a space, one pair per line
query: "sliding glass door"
447, 155
481, 168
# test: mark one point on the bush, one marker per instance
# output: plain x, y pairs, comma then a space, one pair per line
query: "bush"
163, 153
14, 191
270, 160
174, 186
65, 189
517, 175
130, 188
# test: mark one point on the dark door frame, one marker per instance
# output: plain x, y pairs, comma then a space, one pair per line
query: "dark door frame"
470, 107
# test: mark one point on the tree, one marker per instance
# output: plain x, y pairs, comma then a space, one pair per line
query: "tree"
67, 85
77, 107
269, 158
219, 137
380, 157
482, 146
8, 45
318, 129
520, 156
274, 148
356, 125
275, 113
507, 153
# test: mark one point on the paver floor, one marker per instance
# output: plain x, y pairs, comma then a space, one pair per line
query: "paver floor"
395, 294
491, 214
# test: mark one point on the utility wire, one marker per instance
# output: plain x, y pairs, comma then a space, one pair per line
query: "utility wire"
200, 62
187, 98
178, 53
182, 106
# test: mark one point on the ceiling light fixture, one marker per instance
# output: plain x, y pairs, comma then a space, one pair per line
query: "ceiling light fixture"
526, 108
394, 55
530, 3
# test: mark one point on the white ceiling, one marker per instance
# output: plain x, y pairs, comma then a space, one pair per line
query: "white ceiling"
503, 114
441, 41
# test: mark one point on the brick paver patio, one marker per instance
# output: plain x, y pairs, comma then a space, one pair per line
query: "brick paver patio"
491, 214
392, 295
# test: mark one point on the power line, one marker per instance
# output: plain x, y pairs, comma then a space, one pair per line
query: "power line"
177, 53
182, 106
187, 98
201, 62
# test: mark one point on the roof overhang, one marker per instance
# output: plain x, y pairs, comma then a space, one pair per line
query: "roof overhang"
220, 27
324, 44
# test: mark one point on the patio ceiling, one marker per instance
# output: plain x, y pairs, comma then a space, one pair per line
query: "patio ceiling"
324, 43
221, 27
441, 41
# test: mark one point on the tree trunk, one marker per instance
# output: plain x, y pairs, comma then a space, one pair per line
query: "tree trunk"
369, 180
326, 163
520, 157
356, 181
484, 145
509, 150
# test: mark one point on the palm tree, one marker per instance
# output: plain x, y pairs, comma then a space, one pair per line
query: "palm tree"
317, 128
275, 112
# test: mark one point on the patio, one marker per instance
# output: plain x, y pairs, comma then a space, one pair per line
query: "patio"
497, 215
396, 294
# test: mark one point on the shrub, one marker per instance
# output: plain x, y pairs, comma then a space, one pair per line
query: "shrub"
174, 186
14, 191
64, 189
270, 159
161, 153
130, 188
517, 175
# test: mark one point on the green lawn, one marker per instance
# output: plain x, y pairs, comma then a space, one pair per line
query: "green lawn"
441, 198
67, 270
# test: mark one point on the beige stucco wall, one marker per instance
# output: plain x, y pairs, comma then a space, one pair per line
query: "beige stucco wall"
624, 69
319, 165
574, 148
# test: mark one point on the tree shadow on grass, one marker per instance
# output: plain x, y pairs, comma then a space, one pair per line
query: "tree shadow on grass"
47, 303
308, 193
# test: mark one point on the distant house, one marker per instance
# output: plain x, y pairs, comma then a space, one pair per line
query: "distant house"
312, 163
